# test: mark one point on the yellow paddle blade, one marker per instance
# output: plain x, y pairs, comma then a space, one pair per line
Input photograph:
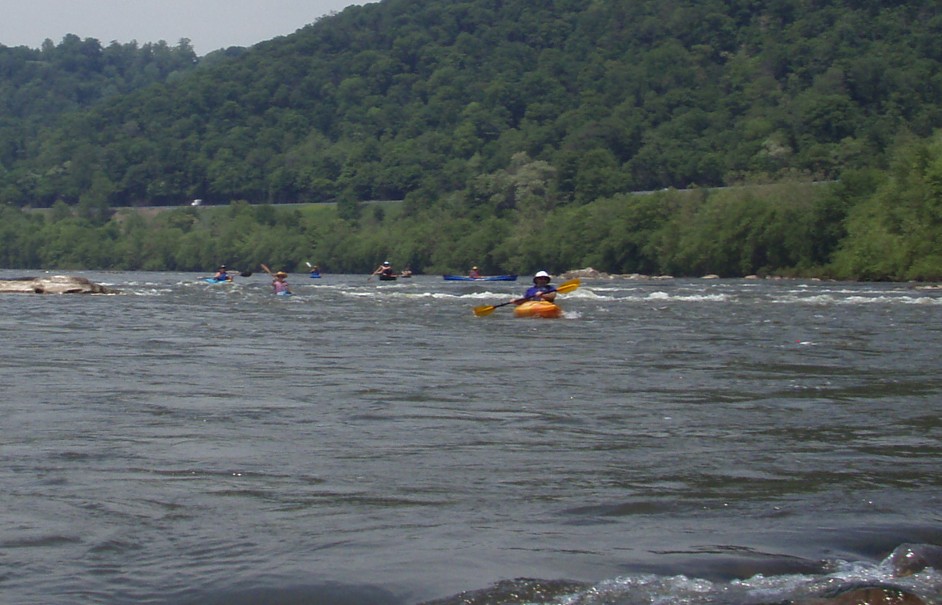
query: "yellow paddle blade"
568, 286
484, 310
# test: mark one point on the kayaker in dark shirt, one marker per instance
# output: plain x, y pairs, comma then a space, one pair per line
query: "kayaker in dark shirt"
221, 274
541, 290
385, 270
474, 273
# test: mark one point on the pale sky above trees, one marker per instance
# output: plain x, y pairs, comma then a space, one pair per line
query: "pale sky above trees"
208, 24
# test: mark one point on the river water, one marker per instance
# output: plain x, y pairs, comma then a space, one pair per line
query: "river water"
666, 441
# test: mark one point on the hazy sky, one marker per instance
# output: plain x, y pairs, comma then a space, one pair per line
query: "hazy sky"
209, 24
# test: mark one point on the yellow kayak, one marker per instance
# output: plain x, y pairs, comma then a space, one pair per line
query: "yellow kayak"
537, 308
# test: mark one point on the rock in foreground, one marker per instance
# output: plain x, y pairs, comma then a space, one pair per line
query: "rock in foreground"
54, 284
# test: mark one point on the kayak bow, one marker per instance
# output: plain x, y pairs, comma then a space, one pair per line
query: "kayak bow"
537, 308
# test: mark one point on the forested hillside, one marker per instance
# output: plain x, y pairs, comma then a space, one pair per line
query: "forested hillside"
41, 87
407, 96
514, 131
40, 84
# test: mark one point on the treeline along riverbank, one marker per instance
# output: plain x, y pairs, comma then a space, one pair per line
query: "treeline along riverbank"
868, 225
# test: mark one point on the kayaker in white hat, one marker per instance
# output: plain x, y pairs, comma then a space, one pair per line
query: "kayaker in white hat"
541, 289
385, 270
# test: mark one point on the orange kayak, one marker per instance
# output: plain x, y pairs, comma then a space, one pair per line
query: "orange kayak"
537, 308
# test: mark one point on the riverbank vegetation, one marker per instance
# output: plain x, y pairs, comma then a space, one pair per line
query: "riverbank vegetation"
513, 135
870, 225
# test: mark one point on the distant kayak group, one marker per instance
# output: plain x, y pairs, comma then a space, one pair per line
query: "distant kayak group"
279, 284
538, 300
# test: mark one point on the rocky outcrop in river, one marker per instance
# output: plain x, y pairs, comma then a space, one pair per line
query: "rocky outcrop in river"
53, 284
590, 273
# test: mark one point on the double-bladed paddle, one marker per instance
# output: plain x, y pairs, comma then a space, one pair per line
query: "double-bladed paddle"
242, 273
563, 288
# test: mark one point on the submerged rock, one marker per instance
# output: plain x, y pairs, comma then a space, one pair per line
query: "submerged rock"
54, 284
867, 595
513, 592
909, 559
587, 273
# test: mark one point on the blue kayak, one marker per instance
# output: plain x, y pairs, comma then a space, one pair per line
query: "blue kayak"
315, 275
213, 280
482, 278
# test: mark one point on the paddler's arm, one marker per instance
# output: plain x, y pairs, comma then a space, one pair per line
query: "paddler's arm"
534, 296
547, 296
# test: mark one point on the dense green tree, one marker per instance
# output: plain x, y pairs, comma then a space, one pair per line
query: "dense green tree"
705, 93
893, 233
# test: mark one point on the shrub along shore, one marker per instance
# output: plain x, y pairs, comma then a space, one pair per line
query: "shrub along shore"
870, 225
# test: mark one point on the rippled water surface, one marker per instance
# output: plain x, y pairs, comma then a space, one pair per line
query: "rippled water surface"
365, 442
